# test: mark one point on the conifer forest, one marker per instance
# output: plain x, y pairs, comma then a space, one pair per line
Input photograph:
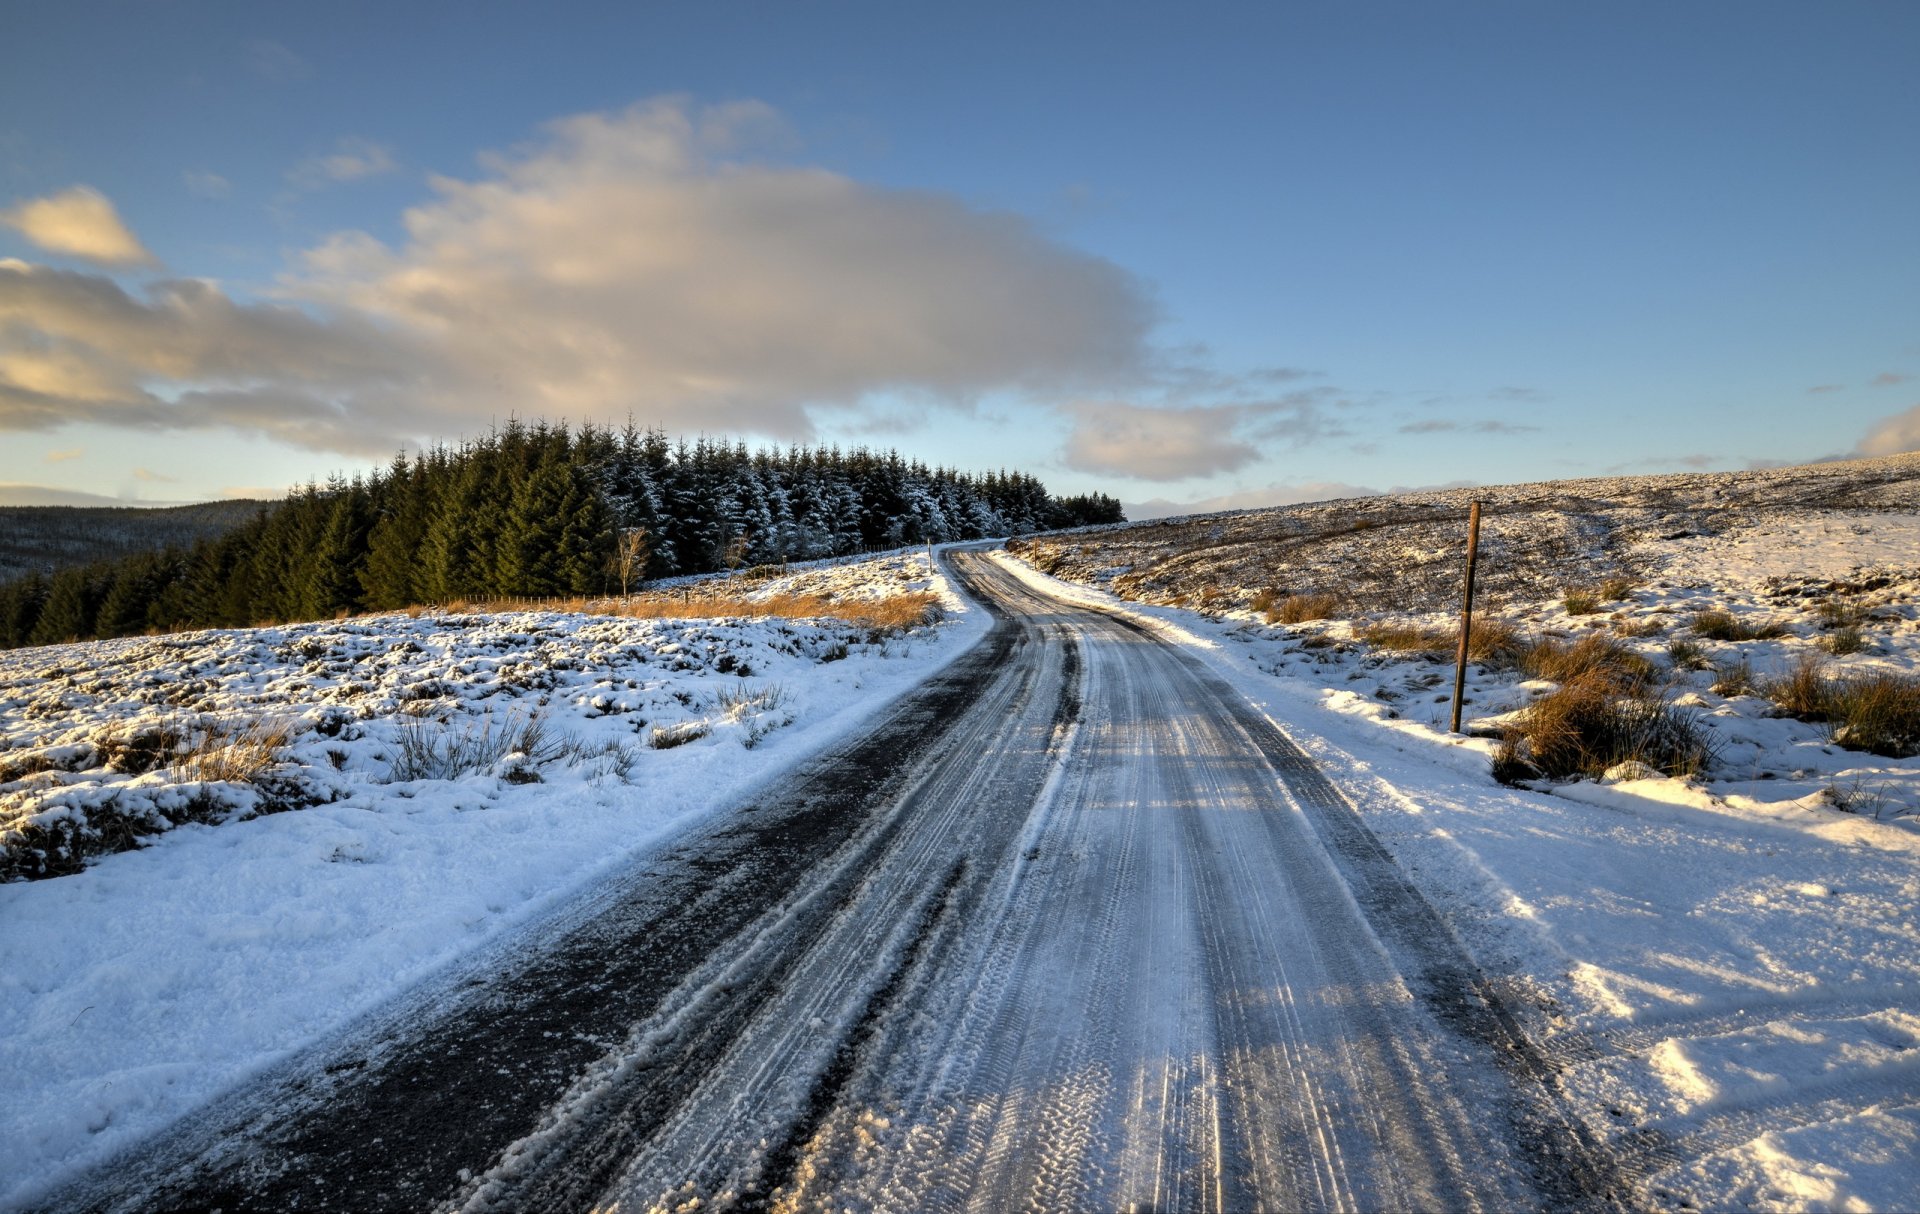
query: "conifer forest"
533, 510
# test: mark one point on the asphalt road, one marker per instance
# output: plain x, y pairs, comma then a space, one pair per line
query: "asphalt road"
1074, 928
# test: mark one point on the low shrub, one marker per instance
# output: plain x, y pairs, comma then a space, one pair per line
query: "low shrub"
1587, 726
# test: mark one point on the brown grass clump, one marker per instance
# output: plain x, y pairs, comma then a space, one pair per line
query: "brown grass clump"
1845, 640
1734, 679
225, 754
1839, 612
1403, 637
1581, 602
1592, 657
1687, 655
1878, 713
1616, 589
1802, 692
1586, 727
1723, 626
1492, 641
1300, 608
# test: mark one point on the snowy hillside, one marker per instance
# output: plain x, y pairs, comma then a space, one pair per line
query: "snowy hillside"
443, 777
1724, 965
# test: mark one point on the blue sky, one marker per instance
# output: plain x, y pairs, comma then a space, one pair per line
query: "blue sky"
1195, 254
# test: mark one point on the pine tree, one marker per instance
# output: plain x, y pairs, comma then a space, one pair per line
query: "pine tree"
333, 576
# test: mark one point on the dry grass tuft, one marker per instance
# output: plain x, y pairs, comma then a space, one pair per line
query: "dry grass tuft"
1581, 602
1844, 640
1734, 679
1403, 637
1837, 611
1802, 692
1594, 657
223, 754
1687, 655
1587, 726
1283, 608
1723, 626
1492, 641
1878, 713
1616, 589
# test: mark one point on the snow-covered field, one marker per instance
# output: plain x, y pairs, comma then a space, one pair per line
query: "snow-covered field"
445, 777
1728, 967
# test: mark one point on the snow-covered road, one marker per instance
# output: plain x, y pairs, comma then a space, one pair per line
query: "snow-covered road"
1078, 929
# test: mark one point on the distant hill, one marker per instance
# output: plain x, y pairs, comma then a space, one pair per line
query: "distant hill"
40, 539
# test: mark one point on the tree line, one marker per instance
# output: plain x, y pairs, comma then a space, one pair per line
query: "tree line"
534, 510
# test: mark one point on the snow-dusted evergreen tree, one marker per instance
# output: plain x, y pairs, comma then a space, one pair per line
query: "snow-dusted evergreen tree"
534, 510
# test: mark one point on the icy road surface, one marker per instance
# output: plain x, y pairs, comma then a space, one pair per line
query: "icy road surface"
1078, 929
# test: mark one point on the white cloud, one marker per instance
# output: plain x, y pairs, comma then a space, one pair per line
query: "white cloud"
78, 222
632, 262
350, 160
1174, 442
1893, 435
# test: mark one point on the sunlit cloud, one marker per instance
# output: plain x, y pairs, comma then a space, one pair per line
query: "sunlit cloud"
78, 222
636, 262
63, 455
149, 476
1893, 435
1175, 442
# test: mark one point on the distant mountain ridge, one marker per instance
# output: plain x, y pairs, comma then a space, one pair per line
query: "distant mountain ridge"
44, 539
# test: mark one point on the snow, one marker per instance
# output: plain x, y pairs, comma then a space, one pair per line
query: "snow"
1729, 968
147, 984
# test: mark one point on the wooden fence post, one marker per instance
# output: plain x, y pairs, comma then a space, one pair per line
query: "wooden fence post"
1466, 614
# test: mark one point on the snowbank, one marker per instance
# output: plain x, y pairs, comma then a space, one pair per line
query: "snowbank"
148, 983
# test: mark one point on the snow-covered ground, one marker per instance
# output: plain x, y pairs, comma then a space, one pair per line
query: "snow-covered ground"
1728, 968
144, 985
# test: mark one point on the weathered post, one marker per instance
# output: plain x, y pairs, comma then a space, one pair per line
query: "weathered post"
1466, 614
